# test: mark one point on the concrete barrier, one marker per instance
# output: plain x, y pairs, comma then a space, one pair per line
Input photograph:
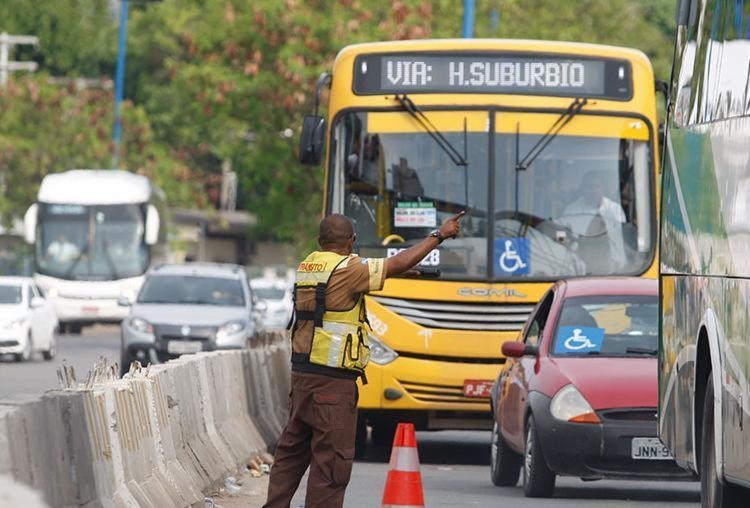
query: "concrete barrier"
160, 437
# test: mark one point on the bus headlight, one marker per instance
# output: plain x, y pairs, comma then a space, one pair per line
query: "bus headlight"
569, 405
380, 353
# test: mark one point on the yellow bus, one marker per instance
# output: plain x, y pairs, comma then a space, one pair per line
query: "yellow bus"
548, 146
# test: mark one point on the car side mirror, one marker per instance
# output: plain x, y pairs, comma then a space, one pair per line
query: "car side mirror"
261, 306
313, 139
37, 302
124, 301
515, 349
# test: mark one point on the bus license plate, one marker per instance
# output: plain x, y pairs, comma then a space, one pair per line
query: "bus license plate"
183, 347
649, 448
477, 388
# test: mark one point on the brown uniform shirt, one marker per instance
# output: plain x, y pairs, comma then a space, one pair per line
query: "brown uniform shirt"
353, 277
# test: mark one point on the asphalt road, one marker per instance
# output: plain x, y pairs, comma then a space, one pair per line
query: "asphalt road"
80, 351
455, 467
455, 473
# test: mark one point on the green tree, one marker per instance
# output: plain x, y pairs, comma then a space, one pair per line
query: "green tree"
48, 128
76, 37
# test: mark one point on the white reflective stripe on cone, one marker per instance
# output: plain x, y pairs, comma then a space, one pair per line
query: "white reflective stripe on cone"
404, 459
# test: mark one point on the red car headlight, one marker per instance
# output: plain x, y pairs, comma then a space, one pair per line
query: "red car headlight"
569, 405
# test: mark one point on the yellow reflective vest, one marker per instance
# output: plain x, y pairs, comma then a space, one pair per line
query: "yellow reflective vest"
339, 337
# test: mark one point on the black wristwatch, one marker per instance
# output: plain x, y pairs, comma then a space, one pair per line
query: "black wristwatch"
437, 234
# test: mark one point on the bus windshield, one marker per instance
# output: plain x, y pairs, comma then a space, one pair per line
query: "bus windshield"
103, 242
581, 207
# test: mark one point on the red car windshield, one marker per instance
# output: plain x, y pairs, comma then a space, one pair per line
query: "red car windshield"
607, 326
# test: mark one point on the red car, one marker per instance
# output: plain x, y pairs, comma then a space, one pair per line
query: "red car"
578, 394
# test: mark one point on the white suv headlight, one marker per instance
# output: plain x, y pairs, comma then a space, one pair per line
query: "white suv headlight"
17, 323
230, 329
569, 405
380, 353
140, 325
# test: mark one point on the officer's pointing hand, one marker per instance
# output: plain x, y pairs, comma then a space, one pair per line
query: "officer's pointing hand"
452, 226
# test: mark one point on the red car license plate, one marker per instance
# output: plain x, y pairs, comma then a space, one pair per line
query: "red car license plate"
479, 388
91, 309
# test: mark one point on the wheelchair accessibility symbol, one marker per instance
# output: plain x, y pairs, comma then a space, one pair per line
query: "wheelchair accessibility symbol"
512, 255
579, 339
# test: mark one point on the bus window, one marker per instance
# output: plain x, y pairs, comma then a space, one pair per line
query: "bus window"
582, 207
396, 184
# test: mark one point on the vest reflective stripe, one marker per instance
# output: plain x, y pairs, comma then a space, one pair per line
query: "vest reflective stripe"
342, 340
312, 278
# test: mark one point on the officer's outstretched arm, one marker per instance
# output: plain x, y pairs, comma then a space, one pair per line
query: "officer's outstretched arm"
409, 258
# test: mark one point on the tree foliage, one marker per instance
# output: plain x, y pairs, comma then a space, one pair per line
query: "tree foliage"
220, 80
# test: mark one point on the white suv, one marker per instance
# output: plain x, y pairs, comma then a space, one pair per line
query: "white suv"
186, 308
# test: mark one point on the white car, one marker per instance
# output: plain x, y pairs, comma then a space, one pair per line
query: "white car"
28, 321
277, 294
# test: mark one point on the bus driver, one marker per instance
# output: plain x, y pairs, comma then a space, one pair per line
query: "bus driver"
597, 220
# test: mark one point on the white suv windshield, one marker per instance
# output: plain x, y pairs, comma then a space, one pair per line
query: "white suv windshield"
192, 290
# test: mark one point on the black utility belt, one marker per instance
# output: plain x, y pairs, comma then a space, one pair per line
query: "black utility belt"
301, 363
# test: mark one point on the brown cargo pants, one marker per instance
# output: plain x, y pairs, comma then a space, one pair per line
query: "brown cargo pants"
320, 433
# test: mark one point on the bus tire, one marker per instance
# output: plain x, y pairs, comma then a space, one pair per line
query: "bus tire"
505, 464
383, 430
714, 492
538, 479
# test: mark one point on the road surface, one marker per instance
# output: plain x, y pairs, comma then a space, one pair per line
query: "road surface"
80, 351
455, 473
455, 470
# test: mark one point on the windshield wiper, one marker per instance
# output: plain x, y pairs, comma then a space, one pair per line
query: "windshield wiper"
575, 107
641, 351
75, 262
108, 257
455, 156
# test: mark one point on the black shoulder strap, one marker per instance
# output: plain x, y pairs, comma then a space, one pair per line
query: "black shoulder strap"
320, 301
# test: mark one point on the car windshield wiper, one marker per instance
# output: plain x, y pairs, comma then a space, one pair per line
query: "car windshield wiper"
641, 351
455, 156
575, 107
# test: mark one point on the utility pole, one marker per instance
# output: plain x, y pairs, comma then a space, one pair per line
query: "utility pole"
7, 66
119, 82
468, 24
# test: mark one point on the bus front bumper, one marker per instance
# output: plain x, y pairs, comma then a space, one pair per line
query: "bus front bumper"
430, 393
94, 310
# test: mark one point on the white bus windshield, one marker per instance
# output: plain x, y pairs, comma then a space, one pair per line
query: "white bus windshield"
103, 242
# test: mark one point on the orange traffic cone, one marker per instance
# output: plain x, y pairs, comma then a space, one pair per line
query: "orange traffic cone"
403, 488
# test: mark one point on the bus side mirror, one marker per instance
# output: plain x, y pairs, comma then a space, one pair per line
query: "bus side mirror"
152, 225
682, 12
29, 224
312, 141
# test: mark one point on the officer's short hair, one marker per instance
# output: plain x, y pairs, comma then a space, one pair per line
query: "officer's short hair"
335, 229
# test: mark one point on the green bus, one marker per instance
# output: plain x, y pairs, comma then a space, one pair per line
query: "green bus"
704, 358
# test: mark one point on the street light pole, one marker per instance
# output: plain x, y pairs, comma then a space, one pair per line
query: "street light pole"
6, 66
468, 24
119, 82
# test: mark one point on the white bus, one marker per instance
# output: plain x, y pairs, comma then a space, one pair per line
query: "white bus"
95, 233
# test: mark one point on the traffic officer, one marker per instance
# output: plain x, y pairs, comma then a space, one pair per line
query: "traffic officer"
329, 353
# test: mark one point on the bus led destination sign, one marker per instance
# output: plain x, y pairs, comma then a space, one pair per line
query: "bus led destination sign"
494, 73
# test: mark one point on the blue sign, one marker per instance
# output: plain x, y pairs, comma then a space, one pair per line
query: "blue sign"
512, 256
573, 340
